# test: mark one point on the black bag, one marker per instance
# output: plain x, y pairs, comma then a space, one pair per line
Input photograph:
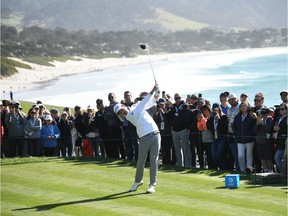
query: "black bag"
78, 141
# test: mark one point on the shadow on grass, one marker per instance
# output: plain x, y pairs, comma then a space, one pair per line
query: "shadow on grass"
51, 206
226, 188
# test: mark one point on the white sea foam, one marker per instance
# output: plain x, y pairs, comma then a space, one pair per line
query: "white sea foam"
183, 73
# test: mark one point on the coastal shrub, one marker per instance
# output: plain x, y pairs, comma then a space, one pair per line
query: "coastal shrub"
8, 67
47, 60
41, 60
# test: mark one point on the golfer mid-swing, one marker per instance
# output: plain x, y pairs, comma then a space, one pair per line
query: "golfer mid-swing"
148, 133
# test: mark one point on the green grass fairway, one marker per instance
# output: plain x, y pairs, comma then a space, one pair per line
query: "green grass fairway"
84, 187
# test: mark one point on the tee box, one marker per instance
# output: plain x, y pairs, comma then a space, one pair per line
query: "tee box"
232, 181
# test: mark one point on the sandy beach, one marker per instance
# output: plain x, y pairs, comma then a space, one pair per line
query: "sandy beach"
26, 79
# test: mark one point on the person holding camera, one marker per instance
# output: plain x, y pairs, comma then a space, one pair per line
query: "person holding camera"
15, 122
280, 134
167, 148
264, 140
218, 125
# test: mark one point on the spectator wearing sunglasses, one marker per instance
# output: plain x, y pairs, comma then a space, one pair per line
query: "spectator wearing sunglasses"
258, 104
284, 97
33, 132
114, 145
280, 134
179, 117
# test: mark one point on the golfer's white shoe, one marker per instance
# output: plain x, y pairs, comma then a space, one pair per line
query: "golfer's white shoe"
135, 186
151, 189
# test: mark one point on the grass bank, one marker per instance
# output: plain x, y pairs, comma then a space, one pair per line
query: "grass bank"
41, 186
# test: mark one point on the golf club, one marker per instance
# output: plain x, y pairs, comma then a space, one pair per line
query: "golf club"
145, 47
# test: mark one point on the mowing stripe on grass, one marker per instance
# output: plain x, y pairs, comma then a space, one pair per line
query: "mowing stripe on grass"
87, 187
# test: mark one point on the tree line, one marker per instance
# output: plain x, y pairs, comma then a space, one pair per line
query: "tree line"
37, 41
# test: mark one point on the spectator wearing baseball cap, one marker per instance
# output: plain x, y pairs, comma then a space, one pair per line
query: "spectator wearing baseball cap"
193, 101
283, 95
231, 113
49, 134
115, 146
15, 122
168, 151
65, 143
218, 125
258, 104
263, 130
243, 97
224, 102
101, 125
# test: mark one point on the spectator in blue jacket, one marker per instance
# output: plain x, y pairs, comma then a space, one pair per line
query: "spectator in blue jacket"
243, 129
49, 135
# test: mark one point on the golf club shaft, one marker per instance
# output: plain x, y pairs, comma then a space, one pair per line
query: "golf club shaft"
151, 66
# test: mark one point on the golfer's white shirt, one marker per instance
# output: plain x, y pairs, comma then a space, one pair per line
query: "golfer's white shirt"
140, 118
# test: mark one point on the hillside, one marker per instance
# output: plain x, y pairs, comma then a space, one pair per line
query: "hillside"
144, 15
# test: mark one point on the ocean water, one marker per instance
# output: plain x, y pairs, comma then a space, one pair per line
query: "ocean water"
266, 74
210, 73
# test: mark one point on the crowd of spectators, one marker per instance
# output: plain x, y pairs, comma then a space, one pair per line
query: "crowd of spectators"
231, 134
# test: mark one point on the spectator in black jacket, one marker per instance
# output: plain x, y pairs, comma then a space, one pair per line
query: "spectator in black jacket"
167, 148
101, 126
115, 146
65, 140
280, 130
80, 127
243, 129
218, 125
129, 130
179, 117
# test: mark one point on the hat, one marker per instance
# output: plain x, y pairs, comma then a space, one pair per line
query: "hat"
231, 96
284, 91
243, 95
143, 94
90, 108
200, 99
15, 102
224, 94
54, 110
67, 109
161, 101
116, 108
77, 108
271, 109
64, 113
215, 106
35, 106
99, 101
5, 102
194, 96
48, 117
263, 110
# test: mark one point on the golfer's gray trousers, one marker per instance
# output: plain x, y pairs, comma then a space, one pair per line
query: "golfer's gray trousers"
148, 143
